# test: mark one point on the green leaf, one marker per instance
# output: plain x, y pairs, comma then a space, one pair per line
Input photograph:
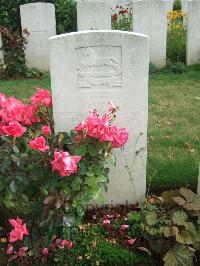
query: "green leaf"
187, 194
13, 186
15, 149
134, 216
179, 217
81, 150
76, 184
178, 256
102, 178
92, 150
151, 218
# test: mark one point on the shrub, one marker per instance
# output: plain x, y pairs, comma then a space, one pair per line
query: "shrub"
176, 39
45, 179
14, 58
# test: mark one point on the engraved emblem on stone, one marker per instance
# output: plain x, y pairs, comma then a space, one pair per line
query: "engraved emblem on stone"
97, 69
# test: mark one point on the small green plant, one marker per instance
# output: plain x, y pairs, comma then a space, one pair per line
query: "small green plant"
171, 225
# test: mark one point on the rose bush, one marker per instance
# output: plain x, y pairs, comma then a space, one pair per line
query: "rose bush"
47, 179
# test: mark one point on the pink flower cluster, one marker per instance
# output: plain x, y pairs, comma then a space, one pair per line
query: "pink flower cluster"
59, 243
15, 115
65, 164
19, 230
100, 128
41, 97
39, 143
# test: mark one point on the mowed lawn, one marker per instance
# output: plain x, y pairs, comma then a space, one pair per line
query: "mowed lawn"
174, 125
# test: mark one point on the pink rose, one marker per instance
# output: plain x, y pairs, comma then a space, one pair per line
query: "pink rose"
39, 143
22, 251
9, 249
69, 244
120, 138
45, 252
15, 110
131, 241
106, 221
41, 96
124, 227
19, 230
65, 164
46, 130
58, 242
14, 129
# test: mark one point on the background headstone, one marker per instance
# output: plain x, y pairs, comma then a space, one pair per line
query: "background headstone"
150, 18
39, 20
90, 68
93, 15
193, 33
1, 51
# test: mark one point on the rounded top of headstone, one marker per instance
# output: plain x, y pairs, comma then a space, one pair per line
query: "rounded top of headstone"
100, 32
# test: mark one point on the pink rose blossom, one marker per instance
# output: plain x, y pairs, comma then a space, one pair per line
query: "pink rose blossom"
106, 221
99, 128
41, 96
65, 164
46, 130
9, 249
58, 241
124, 227
14, 129
22, 252
15, 110
19, 230
45, 252
39, 143
131, 241
110, 216
120, 138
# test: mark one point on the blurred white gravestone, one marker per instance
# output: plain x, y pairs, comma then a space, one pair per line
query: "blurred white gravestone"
1, 50
93, 15
39, 20
150, 18
193, 33
90, 68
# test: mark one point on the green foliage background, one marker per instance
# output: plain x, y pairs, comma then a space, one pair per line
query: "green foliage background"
65, 14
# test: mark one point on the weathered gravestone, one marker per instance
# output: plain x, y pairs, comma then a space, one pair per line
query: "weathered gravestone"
1, 50
93, 15
39, 20
90, 68
150, 18
193, 33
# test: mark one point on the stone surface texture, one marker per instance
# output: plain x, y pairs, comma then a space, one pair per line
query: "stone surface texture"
39, 20
150, 18
93, 15
193, 33
90, 68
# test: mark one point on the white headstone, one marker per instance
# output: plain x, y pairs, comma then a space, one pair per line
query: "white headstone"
118, 72
1, 51
39, 20
193, 33
93, 15
150, 18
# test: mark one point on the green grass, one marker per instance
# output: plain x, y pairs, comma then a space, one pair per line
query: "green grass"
174, 125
